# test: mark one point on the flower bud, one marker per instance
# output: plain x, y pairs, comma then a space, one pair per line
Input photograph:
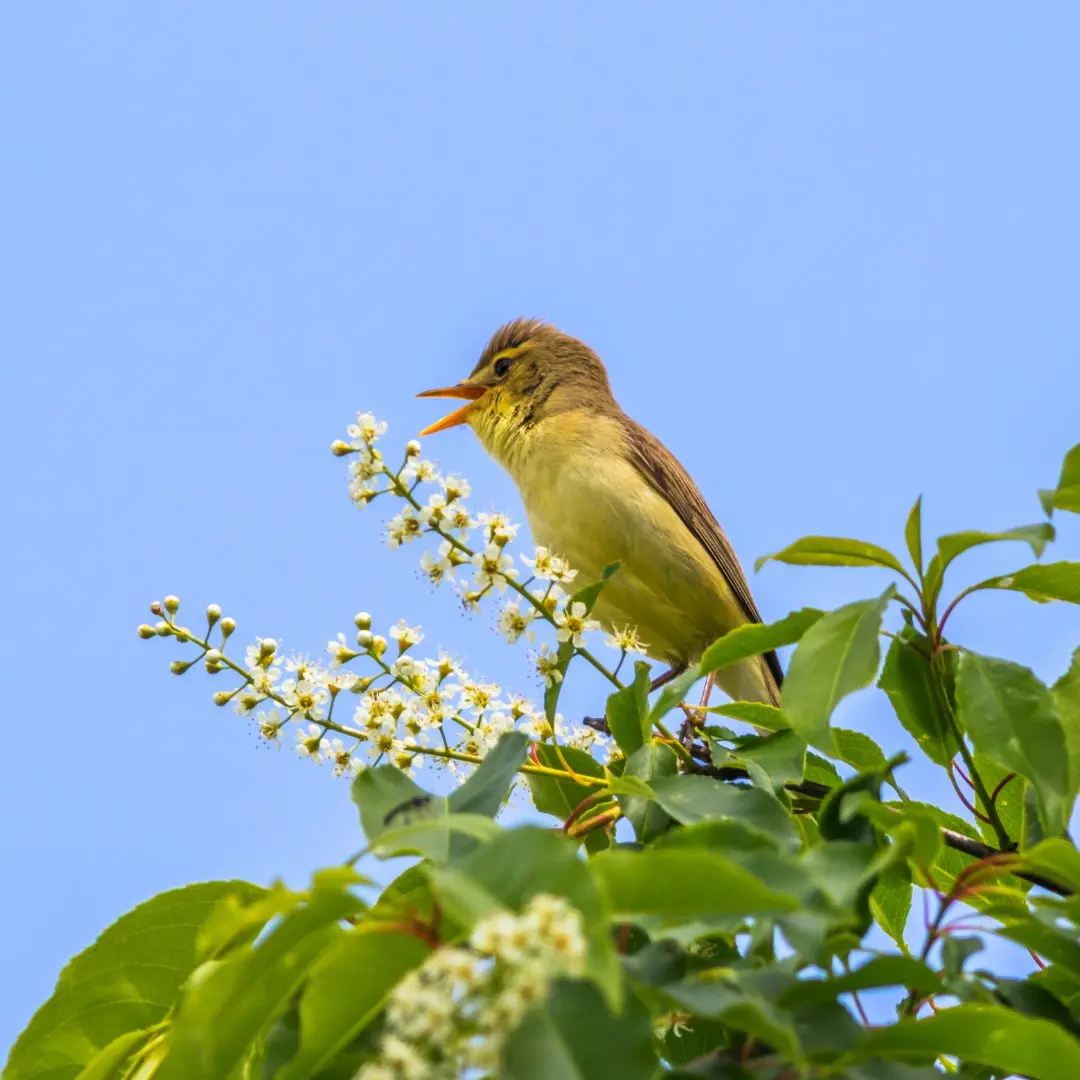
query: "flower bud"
361, 685
213, 668
178, 667
172, 604
147, 632
364, 638
378, 646
227, 627
412, 448
213, 613
362, 621
267, 647
182, 634
222, 697
156, 608
213, 656
162, 629
339, 448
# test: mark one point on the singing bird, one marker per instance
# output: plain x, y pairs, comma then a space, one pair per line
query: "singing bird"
598, 488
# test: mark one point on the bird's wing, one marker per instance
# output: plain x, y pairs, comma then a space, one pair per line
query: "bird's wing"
661, 469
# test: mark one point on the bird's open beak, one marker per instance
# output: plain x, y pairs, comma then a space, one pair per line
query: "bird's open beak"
467, 391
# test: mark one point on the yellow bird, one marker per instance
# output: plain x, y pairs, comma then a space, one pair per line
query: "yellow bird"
598, 488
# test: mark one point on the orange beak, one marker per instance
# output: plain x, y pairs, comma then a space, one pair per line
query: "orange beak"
467, 391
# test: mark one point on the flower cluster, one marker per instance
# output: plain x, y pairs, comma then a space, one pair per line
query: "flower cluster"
471, 550
455, 1012
404, 711
409, 710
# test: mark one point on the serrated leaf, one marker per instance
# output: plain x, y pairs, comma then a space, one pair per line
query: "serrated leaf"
345, 992
1011, 717
485, 791
627, 712
1066, 496
832, 551
1066, 693
576, 1036
880, 971
955, 544
684, 882
907, 679
838, 655
651, 762
753, 639
554, 795
1056, 859
986, 1034
228, 1008
772, 760
890, 901
690, 799
126, 981
387, 798
757, 713
1042, 582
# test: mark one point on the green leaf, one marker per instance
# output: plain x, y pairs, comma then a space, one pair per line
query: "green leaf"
651, 762
627, 712
111, 1062
880, 971
890, 901
229, 1005
955, 544
690, 799
1056, 859
820, 771
1009, 801
683, 883
837, 656
1066, 693
858, 750
1043, 582
487, 788
346, 991
753, 639
907, 679
1047, 940
986, 1034
1066, 496
913, 534
772, 760
387, 798
123, 983
436, 838
833, 551
575, 1036
757, 713
1012, 719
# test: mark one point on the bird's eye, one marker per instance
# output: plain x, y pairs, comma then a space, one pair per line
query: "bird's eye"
502, 366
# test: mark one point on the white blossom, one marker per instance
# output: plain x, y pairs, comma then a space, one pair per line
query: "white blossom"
572, 622
493, 567
626, 640
548, 566
514, 623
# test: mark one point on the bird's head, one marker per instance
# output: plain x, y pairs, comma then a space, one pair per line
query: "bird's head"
528, 372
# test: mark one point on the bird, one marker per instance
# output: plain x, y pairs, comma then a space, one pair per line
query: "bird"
598, 489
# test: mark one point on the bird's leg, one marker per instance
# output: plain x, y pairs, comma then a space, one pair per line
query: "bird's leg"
662, 680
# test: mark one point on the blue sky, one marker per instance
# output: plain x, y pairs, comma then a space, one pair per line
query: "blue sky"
828, 252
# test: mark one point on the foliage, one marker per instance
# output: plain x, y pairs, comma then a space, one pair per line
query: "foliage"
712, 902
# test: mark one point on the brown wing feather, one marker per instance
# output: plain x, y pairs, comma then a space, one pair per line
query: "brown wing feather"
664, 473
